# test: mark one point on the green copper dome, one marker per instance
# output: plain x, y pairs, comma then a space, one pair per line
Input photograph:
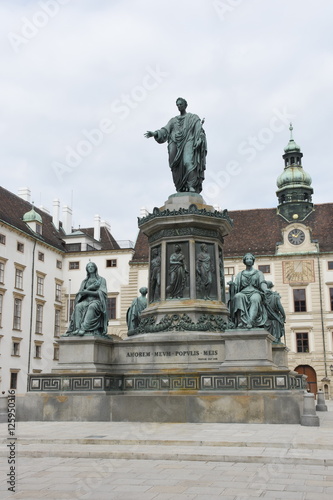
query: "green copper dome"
32, 216
294, 176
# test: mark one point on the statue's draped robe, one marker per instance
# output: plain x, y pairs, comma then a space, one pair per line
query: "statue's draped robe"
134, 312
187, 149
276, 315
177, 273
155, 278
90, 313
204, 269
249, 299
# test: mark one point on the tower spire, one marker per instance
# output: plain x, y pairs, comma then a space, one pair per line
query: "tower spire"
294, 184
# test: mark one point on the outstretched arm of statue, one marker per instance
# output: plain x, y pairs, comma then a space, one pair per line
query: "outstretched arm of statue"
150, 134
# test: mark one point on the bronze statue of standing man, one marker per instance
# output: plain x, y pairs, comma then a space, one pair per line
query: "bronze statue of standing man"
187, 147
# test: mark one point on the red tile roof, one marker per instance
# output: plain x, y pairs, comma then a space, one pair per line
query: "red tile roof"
259, 230
12, 209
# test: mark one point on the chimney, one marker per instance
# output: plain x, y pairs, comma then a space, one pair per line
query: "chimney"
24, 193
67, 219
143, 212
55, 213
106, 225
97, 227
46, 210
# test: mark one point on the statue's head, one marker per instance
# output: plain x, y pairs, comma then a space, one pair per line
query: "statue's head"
91, 268
247, 257
181, 100
143, 290
178, 248
203, 247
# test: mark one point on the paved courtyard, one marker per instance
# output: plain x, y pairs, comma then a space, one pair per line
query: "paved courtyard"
127, 461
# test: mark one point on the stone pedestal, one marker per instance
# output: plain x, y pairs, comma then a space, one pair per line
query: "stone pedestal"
197, 230
321, 406
248, 349
168, 377
309, 417
85, 354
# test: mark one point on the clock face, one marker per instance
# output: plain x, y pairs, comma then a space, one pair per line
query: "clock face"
296, 236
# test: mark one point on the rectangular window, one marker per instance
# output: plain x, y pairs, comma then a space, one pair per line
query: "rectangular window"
331, 298
73, 247
302, 341
71, 308
41, 256
59, 264
111, 307
1, 304
2, 272
39, 318
17, 314
330, 265
229, 271
38, 228
58, 292
2, 239
38, 351
13, 380
74, 265
40, 285
265, 268
20, 247
19, 278
111, 263
57, 313
16, 349
299, 300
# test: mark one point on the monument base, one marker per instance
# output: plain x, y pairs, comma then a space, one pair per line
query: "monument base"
255, 407
235, 376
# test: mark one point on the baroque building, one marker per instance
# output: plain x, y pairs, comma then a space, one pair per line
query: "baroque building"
42, 264
293, 246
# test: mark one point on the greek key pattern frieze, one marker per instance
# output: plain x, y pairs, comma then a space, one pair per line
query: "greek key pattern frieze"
167, 382
260, 382
160, 383
74, 383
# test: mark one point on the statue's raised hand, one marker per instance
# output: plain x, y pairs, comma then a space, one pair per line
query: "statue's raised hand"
149, 134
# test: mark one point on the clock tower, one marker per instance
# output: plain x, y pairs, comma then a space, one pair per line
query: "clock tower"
294, 185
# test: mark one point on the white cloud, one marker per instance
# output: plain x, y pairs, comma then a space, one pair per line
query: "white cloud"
235, 72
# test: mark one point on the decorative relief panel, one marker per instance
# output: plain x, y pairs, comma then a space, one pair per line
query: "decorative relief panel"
177, 272
205, 271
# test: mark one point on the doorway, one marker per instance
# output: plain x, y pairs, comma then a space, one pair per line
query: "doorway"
311, 380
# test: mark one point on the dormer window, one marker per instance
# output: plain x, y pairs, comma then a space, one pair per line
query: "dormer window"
33, 220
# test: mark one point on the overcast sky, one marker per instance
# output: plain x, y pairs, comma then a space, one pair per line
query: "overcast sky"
83, 80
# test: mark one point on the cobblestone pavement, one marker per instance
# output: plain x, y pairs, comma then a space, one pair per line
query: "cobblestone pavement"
297, 462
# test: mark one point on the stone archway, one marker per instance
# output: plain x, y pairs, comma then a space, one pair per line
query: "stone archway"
311, 377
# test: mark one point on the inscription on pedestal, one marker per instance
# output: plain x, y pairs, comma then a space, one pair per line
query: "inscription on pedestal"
146, 355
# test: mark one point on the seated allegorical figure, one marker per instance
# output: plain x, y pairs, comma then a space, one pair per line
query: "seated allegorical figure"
135, 310
247, 297
276, 314
90, 312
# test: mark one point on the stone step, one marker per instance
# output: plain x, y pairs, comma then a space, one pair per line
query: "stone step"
100, 441
138, 451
